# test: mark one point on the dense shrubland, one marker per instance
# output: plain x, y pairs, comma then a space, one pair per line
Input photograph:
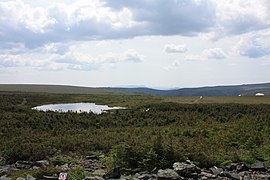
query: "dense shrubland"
150, 133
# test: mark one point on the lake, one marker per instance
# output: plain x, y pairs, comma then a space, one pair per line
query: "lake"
76, 107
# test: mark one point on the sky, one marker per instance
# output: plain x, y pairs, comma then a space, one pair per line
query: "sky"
153, 43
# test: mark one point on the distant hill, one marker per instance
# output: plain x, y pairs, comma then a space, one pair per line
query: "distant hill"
243, 90
58, 89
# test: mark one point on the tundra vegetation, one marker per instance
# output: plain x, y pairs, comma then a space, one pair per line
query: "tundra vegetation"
152, 132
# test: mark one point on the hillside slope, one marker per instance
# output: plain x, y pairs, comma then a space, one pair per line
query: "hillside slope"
244, 90
57, 89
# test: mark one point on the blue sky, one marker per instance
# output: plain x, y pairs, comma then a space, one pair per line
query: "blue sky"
154, 43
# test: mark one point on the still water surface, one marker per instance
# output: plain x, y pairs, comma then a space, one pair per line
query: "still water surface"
76, 107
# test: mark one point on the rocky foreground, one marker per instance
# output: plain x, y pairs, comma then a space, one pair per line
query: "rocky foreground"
179, 170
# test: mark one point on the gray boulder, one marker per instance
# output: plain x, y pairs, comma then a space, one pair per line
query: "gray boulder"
42, 163
237, 166
262, 176
258, 166
231, 175
216, 171
207, 175
5, 178
231, 166
99, 172
146, 176
242, 167
50, 178
28, 177
20, 178
93, 178
167, 174
23, 164
92, 157
186, 169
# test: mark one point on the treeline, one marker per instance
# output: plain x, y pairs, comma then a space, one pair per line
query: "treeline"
148, 134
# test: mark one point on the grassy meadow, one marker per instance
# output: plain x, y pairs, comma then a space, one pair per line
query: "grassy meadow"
152, 132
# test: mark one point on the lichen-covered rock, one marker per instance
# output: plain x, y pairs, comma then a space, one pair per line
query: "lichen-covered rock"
42, 163
5, 178
258, 166
231, 175
23, 164
50, 178
28, 177
216, 171
207, 175
92, 157
186, 169
93, 178
20, 178
167, 174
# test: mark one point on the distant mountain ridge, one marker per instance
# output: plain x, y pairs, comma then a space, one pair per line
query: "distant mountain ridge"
234, 90
57, 89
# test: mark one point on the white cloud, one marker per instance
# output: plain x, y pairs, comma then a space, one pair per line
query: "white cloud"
98, 19
239, 17
20, 61
72, 59
131, 55
214, 53
48, 34
85, 20
254, 44
17, 14
55, 48
172, 48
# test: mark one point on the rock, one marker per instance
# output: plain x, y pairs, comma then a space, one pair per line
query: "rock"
23, 164
216, 171
28, 177
231, 175
262, 176
50, 178
242, 167
186, 169
113, 173
99, 172
20, 178
243, 173
147, 176
92, 157
5, 178
93, 178
246, 178
42, 163
167, 174
65, 167
154, 171
231, 166
35, 168
258, 166
207, 175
